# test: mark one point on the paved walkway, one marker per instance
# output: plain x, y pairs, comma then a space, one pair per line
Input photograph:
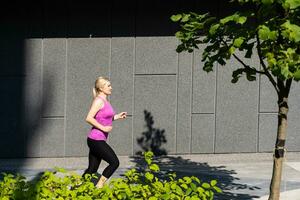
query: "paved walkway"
241, 176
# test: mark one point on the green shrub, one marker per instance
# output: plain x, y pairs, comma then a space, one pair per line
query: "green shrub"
143, 184
13, 187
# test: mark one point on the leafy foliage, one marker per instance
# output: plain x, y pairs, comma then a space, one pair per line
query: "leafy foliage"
62, 184
269, 27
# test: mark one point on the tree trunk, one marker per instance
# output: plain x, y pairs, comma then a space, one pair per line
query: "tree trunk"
279, 148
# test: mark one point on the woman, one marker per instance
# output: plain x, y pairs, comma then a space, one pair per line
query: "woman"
100, 116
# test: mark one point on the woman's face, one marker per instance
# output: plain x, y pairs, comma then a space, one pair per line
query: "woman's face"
106, 89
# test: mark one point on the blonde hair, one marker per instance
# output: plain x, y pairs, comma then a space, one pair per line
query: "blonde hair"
99, 84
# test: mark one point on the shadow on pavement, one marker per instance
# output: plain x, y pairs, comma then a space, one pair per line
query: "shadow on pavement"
185, 167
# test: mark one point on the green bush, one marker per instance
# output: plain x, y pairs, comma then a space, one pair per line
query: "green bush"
144, 184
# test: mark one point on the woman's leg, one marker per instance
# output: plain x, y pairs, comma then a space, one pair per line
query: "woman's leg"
107, 154
94, 163
94, 158
111, 158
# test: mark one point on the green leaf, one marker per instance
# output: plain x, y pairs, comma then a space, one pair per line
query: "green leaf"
176, 18
213, 29
196, 198
184, 186
179, 190
185, 17
297, 75
291, 4
173, 186
213, 182
200, 190
152, 198
59, 169
238, 42
273, 35
227, 19
235, 17
159, 184
188, 180
285, 71
271, 60
217, 189
154, 167
148, 157
193, 186
196, 179
291, 31
241, 20
179, 35
149, 176
263, 32
205, 185
188, 191
197, 25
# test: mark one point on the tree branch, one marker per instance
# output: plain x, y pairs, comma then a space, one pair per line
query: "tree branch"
280, 84
264, 65
239, 60
247, 66
288, 86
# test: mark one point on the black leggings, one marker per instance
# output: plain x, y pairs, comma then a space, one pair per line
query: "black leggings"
99, 150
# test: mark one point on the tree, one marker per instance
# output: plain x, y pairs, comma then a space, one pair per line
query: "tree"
269, 28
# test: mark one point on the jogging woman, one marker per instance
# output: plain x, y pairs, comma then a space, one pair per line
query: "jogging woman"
101, 116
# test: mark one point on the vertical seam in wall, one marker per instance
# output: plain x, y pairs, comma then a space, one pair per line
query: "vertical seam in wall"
109, 60
110, 19
258, 114
41, 97
109, 68
176, 112
133, 78
191, 102
110, 47
215, 115
133, 93
110, 40
65, 100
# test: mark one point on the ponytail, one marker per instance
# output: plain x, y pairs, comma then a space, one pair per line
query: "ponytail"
94, 92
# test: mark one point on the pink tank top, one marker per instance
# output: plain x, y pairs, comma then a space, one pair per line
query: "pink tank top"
105, 117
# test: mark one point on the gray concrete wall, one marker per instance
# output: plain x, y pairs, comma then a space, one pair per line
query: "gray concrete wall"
196, 112
199, 112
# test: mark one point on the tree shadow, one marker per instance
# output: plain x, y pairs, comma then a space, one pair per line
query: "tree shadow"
186, 167
153, 138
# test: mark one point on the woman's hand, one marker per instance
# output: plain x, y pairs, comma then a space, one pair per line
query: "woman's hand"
121, 115
107, 129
